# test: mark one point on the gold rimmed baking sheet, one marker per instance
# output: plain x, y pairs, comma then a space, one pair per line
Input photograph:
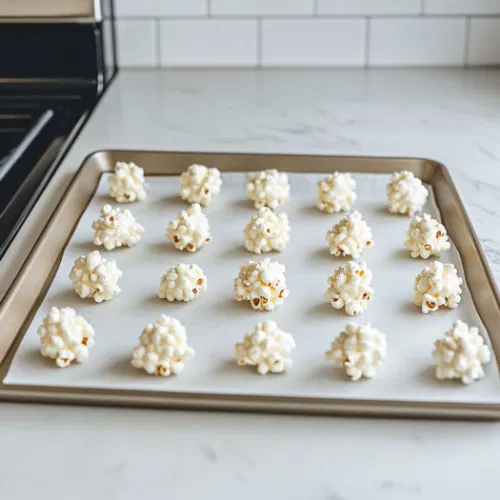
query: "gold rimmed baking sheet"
311, 391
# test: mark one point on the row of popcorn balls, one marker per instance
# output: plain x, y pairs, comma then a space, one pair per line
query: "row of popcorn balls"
263, 284
360, 350
406, 194
96, 277
266, 232
425, 237
437, 285
190, 230
200, 184
460, 354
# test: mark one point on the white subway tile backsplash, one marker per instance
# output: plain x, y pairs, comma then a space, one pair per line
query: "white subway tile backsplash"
308, 33
369, 7
160, 8
418, 41
208, 42
313, 42
262, 7
462, 7
136, 40
484, 42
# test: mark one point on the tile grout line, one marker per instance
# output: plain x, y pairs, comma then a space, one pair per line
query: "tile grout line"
158, 44
330, 17
209, 8
259, 42
467, 42
422, 7
367, 42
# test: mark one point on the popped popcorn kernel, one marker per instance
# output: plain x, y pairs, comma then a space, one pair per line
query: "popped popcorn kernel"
336, 193
268, 188
437, 285
460, 354
183, 282
126, 185
263, 284
65, 336
359, 350
349, 287
426, 236
267, 348
190, 230
267, 231
406, 194
200, 184
115, 228
350, 236
163, 348
95, 277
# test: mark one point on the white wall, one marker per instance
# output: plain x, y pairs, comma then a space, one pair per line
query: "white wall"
355, 33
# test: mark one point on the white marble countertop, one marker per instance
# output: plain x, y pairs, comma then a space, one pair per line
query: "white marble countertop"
100, 453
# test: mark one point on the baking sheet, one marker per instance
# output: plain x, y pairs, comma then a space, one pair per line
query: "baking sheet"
214, 321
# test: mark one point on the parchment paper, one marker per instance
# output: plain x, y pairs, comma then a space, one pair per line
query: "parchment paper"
214, 321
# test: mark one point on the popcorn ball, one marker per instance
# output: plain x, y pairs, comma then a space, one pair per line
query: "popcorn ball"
190, 231
65, 336
126, 185
349, 287
115, 228
437, 285
460, 354
267, 348
426, 236
183, 282
350, 236
95, 277
200, 184
360, 350
406, 194
267, 231
336, 193
268, 188
261, 283
163, 348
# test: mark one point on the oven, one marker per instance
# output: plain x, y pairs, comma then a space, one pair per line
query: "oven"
57, 60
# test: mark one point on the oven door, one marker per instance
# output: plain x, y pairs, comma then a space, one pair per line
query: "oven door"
33, 139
